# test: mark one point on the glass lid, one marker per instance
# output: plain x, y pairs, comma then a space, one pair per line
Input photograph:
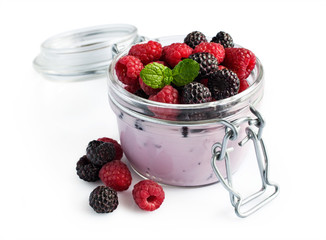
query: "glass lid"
83, 53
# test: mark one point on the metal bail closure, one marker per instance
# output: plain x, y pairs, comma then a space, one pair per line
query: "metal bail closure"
219, 153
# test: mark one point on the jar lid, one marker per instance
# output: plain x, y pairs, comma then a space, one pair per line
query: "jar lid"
83, 53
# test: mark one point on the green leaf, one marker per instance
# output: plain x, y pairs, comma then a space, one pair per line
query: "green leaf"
167, 79
156, 75
185, 72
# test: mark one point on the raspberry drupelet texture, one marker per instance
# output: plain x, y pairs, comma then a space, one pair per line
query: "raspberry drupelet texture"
207, 62
168, 94
132, 88
195, 92
240, 60
103, 199
148, 195
223, 84
87, 170
243, 85
162, 62
128, 69
99, 152
194, 38
214, 48
220, 67
116, 175
117, 146
174, 53
223, 38
147, 52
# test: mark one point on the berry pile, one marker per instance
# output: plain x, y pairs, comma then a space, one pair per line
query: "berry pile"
103, 161
199, 70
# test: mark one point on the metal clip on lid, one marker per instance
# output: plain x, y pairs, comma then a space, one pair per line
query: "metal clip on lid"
219, 152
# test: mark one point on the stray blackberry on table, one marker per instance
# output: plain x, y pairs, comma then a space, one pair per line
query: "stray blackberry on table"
103, 199
87, 170
99, 152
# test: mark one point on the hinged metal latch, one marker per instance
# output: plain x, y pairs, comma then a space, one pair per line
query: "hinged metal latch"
219, 153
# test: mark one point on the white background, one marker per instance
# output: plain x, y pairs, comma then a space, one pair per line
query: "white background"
46, 125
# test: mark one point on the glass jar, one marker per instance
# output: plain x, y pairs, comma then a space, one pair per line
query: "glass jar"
175, 144
178, 150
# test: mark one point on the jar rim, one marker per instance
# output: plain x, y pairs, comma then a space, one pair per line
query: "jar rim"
115, 86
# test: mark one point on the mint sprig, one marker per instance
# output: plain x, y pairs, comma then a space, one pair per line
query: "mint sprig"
185, 72
156, 75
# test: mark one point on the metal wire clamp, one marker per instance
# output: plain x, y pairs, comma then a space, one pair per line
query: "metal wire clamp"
219, 153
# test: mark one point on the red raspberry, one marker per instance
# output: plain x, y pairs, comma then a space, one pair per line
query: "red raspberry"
148, 195
128, 69
220, 67
162, 62
147, 52
240, 60
168, 94
214, 48
116, 175
132, 88
147, 89
174, 53
243, 85
117, 146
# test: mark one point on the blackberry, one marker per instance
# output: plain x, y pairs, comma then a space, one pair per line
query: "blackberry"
207, 62
223, 84
99, 152
103, 199
224, 39
87, 170
194, 38
195, 92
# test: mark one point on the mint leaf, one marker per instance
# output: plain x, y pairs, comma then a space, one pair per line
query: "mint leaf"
156, 75
167, 72
185, 72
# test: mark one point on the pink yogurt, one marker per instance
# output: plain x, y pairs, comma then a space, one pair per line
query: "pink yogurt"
178, 151
174, 155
